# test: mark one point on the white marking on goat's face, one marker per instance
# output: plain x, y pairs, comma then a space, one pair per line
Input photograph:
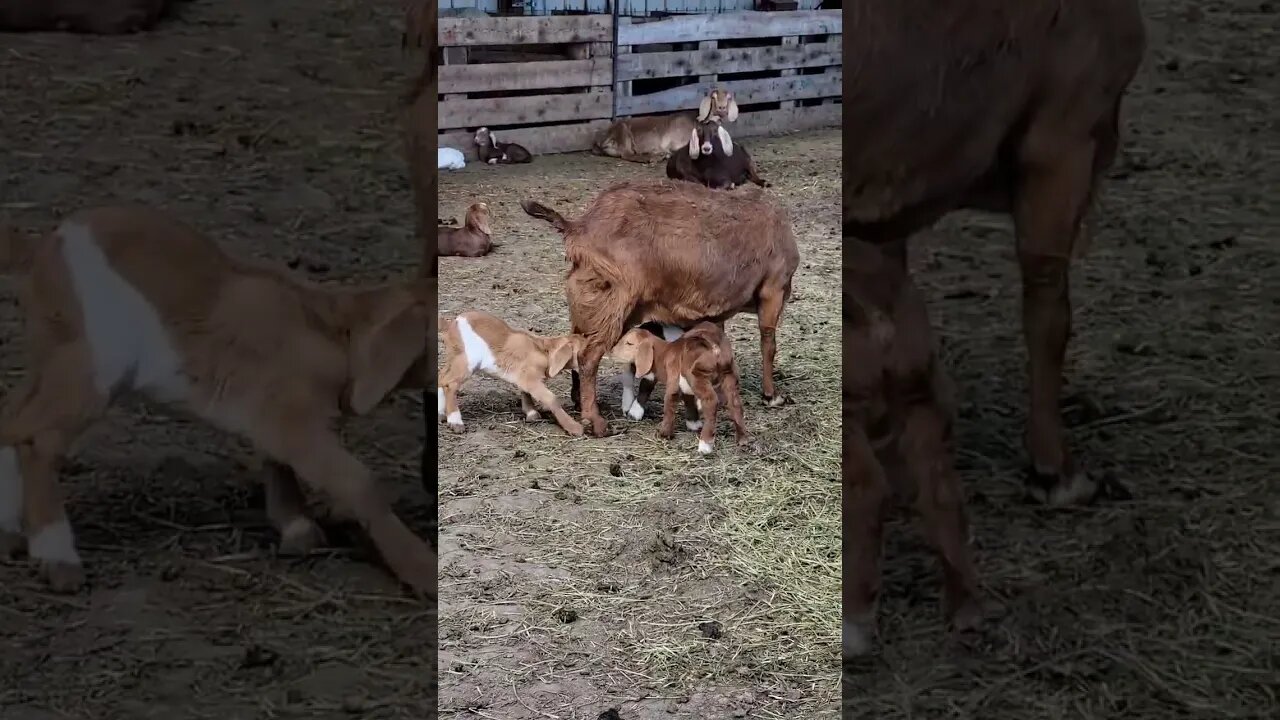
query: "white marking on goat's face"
707, 147
693, 425
10, 492
127, 340
636, 412
685, 386
440, 402
55, 543
455, 418
479, 355
704, 447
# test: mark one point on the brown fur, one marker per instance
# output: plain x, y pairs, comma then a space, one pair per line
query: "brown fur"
493, 152
94, 17
473, 239
718, 105
897, 419
265, 355
703, 357
523, 359
1003, 105
675, 253
704, 160
645, 139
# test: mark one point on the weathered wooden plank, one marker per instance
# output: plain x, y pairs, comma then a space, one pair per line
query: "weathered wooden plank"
525, 30
638, 66
773, 122
745, 92
528, 109
726, 26
525, 76
539, 140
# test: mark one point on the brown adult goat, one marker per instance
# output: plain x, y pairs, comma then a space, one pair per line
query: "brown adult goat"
1008, 106
676, 253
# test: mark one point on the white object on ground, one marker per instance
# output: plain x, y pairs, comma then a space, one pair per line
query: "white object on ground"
449, 159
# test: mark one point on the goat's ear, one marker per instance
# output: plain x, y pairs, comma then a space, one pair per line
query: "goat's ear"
726, 142
383, 352
561, 355
480, 217
644, 358
704, 108
733, 109
694, 144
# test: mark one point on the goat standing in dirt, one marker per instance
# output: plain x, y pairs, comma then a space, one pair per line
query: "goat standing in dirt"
697, 366
897, 420
121, 300
675, 253
711, 158
479, 341
473, 239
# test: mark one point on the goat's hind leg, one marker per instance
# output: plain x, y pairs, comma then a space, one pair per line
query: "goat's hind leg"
772, 301
543, 395
287, 511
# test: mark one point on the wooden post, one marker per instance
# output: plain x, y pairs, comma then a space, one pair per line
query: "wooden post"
790, 40
621, 89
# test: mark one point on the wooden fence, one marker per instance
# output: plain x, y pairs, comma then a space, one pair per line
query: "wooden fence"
550, 83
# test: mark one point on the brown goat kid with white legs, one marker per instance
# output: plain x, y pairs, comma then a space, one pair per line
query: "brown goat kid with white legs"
473, 239
477, 341
897, 419
121, 300
676, 253
696, 366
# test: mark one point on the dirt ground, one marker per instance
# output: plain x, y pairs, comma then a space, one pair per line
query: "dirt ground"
270, 126
1165, 606
630, 573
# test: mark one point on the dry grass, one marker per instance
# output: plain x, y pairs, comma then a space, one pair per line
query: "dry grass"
643, 539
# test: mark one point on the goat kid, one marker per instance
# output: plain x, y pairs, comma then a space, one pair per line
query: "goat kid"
635, 388
490, 151
696, 365
473, 239
121, 299
477, 341
897, 420
718, 105
712, 159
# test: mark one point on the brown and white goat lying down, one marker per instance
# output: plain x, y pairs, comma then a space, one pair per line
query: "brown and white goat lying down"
473, 239
129, 299
897, 426
675, 253
696, 365
477, 341
711, 158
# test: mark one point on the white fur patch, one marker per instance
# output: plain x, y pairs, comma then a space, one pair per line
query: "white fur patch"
636, 411
685, 387
54, 542
479, 355
10, 492
693, 425
455, 417
671, 332
627, 381
493, 161
649, 377
440, 402
532, 415
129, 344
704, 447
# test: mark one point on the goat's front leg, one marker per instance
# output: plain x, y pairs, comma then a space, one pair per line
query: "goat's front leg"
864, 503
769, 313
316, 454
589, 363
733, 399
707, 403
448, 382
287, 511
667, 429
528, 408
547, 399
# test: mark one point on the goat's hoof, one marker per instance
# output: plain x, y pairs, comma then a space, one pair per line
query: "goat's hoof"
746, 439
1059, 489
599, 428
455, 423
704, 447
61, 576
858, 638
531, 415
636, 411
666, 433
300, 537
967, 614
776, 401
574, 430
12, 544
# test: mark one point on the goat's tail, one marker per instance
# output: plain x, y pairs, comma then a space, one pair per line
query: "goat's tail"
15, 250
542, 212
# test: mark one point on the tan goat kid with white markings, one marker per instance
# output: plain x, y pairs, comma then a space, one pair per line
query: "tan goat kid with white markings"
121, 300
477, 341
696, 365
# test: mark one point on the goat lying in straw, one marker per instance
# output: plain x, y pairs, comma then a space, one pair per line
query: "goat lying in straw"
696, 365
130, 299
479, 341
473, 239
